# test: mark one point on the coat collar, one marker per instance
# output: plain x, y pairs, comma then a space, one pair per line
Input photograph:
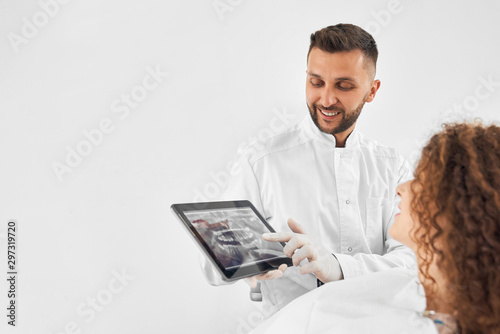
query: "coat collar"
311, 128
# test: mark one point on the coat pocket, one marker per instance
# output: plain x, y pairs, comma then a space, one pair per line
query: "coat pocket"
374, 223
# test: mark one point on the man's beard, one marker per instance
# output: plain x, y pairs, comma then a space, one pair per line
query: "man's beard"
345, 123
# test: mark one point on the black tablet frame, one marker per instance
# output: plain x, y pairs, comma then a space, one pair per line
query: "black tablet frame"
227, 275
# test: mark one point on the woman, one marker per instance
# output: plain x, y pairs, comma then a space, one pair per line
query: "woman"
452, 212
450, 218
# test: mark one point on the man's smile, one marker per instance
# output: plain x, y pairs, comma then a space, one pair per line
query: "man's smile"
330, 114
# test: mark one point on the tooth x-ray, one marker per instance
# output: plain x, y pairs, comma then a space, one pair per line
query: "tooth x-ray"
234, 235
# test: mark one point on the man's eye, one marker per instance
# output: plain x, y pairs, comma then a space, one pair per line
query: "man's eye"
316, 84
345, 87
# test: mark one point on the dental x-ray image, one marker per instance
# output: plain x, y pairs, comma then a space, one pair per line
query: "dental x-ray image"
234, 235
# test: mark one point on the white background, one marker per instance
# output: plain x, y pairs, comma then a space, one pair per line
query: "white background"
229, 74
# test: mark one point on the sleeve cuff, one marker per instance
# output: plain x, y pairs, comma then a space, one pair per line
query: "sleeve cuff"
349, 266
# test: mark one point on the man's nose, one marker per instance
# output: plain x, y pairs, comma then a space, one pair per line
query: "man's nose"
328, 97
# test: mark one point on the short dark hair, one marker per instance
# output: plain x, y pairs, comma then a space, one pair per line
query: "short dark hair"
344, 37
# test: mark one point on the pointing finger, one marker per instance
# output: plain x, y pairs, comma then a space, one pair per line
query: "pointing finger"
296, 227
282, 236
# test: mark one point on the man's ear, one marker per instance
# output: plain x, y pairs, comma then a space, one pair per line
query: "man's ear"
373, 90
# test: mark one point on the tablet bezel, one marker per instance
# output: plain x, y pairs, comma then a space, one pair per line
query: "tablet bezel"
227, 274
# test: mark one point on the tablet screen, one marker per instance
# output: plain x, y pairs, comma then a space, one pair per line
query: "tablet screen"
235, 236
230, 235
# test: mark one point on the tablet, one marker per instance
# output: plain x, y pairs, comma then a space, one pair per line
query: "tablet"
230, 235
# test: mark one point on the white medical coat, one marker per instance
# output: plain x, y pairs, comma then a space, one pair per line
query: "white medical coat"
346, 197
386, 302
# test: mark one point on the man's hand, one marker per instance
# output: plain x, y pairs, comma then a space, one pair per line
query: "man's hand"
252, 281
302, 246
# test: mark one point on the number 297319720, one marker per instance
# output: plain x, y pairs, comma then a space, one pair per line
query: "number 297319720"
11, 245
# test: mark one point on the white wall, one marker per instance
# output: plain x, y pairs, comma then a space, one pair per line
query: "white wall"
228, 76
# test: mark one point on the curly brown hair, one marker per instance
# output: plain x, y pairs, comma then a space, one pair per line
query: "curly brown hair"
456, 199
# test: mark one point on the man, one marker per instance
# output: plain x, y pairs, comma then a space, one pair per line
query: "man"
324, 174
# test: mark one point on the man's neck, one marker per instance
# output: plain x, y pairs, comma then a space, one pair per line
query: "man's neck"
341, 138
